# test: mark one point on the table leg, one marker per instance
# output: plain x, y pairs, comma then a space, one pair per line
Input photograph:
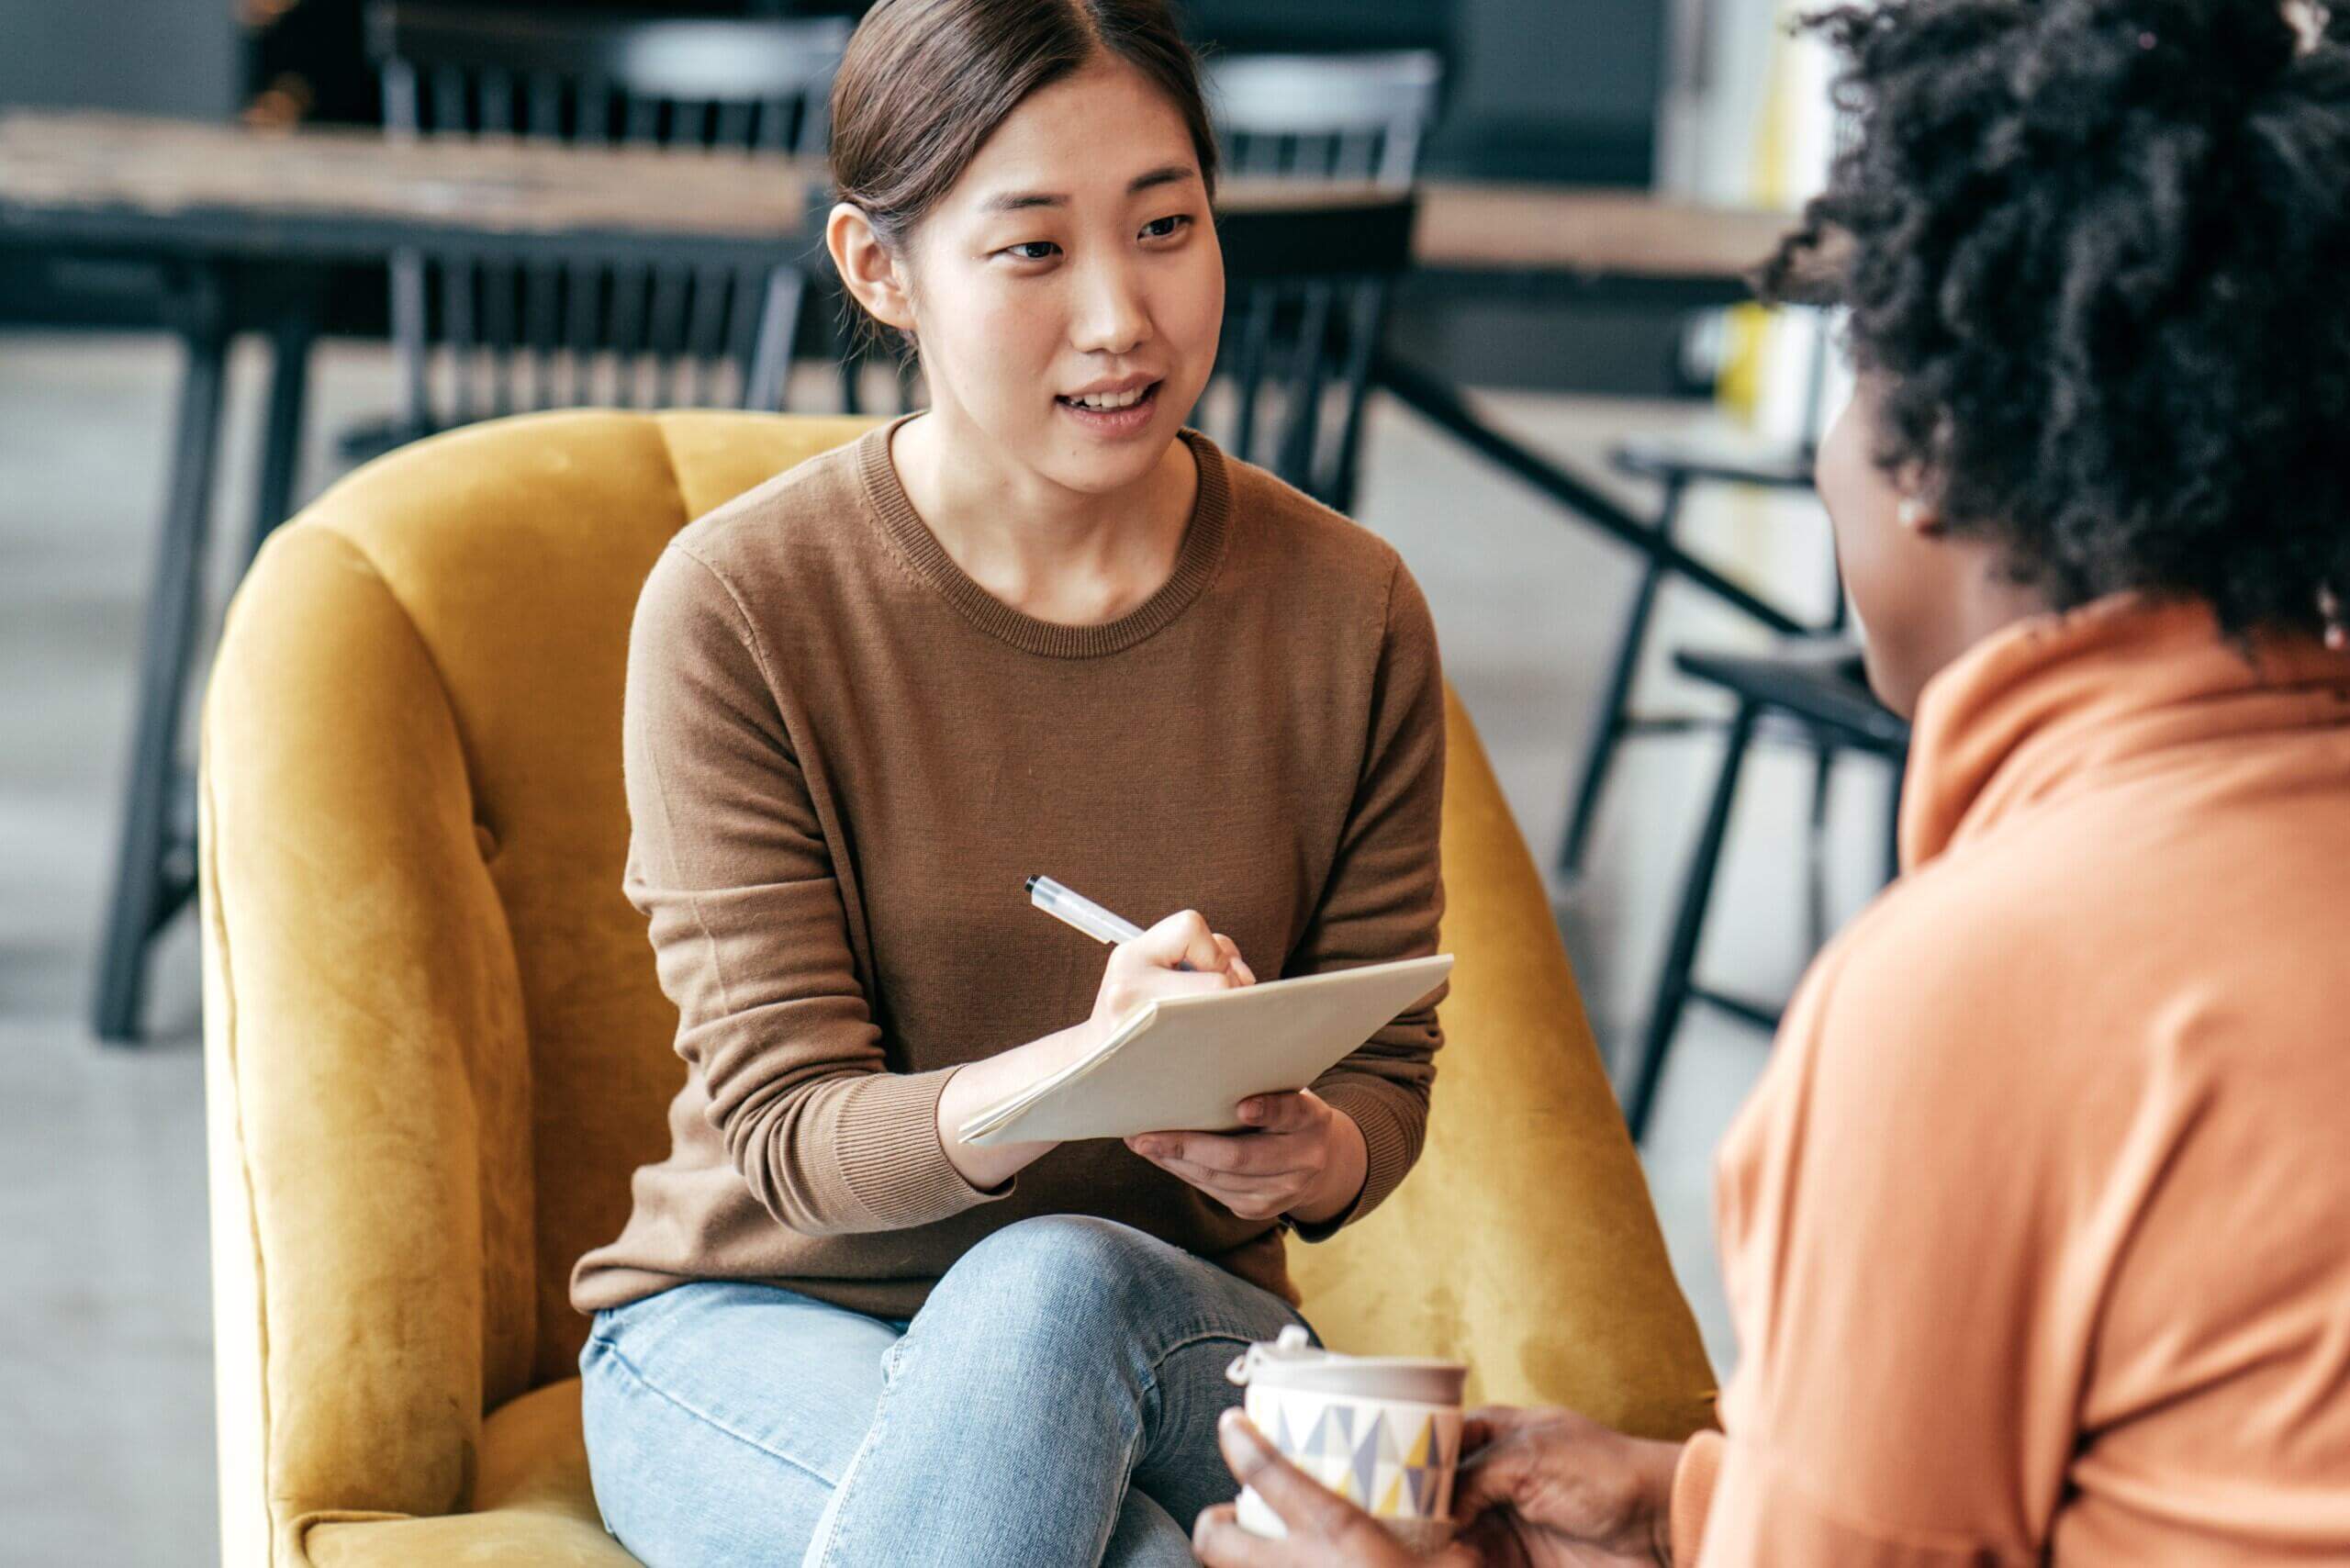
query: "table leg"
291, 336
147, 890
1444, 408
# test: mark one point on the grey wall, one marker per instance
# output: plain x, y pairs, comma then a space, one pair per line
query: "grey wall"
169, 57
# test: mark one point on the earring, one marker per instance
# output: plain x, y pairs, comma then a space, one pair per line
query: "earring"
2329, 610
1914, 515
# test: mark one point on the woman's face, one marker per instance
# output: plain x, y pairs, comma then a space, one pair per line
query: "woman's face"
1068, 293
1922, 594
1899, 576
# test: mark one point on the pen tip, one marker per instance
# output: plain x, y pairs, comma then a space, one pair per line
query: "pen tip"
1030, 886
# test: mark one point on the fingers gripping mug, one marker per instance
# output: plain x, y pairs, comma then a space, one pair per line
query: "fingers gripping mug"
1382, 1432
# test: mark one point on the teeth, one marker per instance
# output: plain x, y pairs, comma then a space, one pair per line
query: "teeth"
1111, 399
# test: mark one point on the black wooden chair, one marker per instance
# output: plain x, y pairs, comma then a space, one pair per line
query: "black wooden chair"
1295, 340
660, 331
1678, 467
500, 336
1814, 689
1306, 292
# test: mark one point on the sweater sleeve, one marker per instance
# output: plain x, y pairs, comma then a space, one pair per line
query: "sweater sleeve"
729, 864
1384, 898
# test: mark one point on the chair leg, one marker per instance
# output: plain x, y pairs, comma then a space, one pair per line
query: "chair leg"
1607, 728
1673, 985
144, 894
1823, 773
289, 385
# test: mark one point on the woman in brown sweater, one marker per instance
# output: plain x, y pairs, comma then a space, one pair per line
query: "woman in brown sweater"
1039, 628
2037, 1230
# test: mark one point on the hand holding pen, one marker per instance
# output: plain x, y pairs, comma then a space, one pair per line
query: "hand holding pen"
1300, 1156
1182, 937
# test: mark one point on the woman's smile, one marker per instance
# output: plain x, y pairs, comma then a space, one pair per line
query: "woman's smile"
1117, 411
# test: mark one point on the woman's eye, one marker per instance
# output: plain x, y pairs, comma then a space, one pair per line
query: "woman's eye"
1166, 228
1032, 250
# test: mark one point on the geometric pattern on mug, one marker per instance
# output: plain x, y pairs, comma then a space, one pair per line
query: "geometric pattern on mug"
1394, 1465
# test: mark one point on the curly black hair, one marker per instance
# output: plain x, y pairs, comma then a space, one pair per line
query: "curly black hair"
2097, 254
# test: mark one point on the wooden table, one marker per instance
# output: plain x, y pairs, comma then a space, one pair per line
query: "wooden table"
242, 223
1554, 241
348, 194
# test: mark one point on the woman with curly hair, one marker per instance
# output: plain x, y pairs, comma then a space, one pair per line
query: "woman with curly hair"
2037, 1230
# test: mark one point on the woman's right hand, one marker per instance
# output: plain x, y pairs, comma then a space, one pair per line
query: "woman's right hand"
1177, 956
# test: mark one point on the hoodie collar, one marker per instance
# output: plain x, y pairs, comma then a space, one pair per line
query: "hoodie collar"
2055, 704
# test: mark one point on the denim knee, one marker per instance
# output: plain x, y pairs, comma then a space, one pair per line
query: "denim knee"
1068, 1270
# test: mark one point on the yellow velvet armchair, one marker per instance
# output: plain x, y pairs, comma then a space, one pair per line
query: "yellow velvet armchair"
435, 1048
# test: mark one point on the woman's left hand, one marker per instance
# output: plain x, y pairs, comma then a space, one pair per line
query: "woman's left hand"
1298, 1157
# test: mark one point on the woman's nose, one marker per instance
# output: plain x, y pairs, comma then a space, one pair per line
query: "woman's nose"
1109, 316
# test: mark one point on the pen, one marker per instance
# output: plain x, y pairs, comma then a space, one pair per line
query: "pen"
1076, 910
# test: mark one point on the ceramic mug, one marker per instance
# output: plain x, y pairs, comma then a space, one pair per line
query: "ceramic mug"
1382, 1432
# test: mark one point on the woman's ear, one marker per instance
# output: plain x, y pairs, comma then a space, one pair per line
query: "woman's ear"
872, 272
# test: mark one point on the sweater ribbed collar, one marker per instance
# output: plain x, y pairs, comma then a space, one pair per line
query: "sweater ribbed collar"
2056, 703
1196, 559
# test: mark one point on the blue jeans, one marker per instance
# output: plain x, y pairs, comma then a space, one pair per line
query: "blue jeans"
1054, 1402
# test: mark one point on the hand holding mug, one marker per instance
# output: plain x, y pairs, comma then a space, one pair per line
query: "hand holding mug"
1324, 1529
1538, 1489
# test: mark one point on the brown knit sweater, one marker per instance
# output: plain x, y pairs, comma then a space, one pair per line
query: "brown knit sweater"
843, 756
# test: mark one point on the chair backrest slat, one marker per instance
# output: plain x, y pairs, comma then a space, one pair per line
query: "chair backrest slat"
457, 324
637, 333
657, 56
542, 296
643, 123
452, 111
705, 331
1317, 109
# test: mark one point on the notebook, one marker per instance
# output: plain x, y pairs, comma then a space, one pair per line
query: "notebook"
1184, 1063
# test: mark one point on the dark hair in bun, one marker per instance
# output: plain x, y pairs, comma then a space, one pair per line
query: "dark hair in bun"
2099, 251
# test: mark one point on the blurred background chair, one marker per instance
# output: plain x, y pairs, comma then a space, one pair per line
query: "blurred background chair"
1298, 340
1329, 116
1816, 690
694, 85
1677, 467
436, 1046
1293, 372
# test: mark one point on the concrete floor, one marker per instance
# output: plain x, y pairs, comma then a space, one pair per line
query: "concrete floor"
105, 1374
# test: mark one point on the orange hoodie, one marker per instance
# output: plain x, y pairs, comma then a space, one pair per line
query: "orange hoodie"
2037, 1230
